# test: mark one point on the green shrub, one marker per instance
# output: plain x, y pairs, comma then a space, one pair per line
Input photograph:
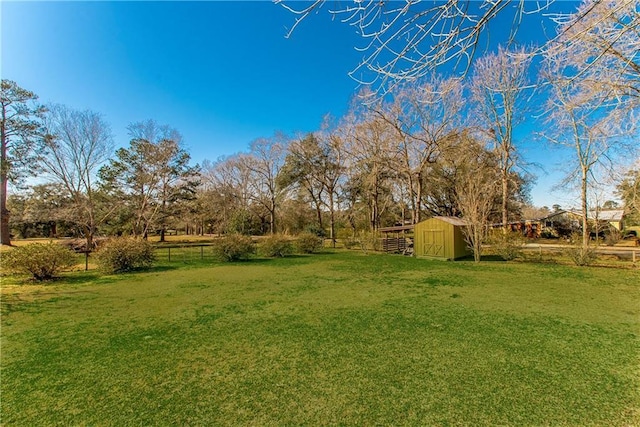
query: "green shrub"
233, 247
507, 246
41, 261
612, 236
581, 256
276, 246
125, 254
308, 243
549, 233
369, 242
350, 243
316, 229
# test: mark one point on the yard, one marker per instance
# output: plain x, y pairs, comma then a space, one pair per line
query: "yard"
335, 338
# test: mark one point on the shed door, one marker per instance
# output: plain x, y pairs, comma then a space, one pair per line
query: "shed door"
434, 243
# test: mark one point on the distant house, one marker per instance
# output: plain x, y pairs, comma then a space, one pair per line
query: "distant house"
566, 222
612, 217
440, 237
560, 223
530, 228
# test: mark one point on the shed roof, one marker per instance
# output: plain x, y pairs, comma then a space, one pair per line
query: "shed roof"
452, 220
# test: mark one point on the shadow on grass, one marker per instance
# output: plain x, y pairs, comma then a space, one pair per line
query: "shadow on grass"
156, 269
99, 277
326, 251
293, 259
90, 278
483, 258
266, 260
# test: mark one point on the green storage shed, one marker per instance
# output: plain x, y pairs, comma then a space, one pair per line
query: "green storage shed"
440, 237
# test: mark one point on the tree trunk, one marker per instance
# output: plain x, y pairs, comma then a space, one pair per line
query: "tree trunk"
272, 217
419, 198
585, 222
505, 195
319, 214
374, 212
332, 230
414, 208
88, 234
5, 237
163, 213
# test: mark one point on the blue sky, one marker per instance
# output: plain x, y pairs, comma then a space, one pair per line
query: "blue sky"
222, 73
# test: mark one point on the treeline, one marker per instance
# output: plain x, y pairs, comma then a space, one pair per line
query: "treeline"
431, 146
381, 164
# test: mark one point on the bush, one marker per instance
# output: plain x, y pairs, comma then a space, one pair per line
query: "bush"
549, 233
350, 243
308, 243
276, 246
507, 246
612, 236
316, 229
581, 256
41, 261
370, 242
125, 254
233, 247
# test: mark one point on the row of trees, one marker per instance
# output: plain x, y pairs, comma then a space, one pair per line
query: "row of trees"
400, 161
591, 64
87, 191
412, 157
417, 155
431, 145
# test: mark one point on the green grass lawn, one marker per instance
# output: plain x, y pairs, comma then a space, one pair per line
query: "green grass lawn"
336, 338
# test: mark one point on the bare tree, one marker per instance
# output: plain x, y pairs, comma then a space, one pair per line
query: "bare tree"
628, 189
150, 130
590, 127
588, 110
476, 188
331, 165
19, 133
602, 38
75, 145
405, 41
372, 156
302, 172
264, 161
423, 116
229, 181
498, 82
218, 194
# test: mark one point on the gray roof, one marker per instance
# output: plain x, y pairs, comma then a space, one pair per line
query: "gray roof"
452, 220
602, 215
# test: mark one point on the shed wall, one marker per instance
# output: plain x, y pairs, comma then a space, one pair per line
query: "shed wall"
435, 238
460, 244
